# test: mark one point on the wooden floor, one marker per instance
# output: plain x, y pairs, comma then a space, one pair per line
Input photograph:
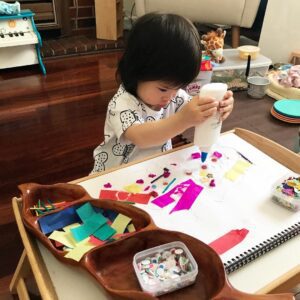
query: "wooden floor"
49, 126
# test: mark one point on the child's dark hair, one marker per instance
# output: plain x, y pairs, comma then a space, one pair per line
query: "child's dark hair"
164, 47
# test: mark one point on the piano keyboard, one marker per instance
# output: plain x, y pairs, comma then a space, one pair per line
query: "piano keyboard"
18, 39
17, 32
20, 42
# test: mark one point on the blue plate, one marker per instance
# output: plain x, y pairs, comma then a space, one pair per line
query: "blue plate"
288, 107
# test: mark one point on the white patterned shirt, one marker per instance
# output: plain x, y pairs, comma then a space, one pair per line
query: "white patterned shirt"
125, 110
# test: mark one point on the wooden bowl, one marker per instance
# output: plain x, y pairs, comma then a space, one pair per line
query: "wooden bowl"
74, 195
117, 275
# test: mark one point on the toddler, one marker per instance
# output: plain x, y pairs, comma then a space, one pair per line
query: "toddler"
162, 56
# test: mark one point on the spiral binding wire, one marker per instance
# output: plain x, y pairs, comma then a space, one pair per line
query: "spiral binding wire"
262, 248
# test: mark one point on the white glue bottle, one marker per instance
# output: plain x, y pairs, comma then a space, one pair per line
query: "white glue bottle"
207, 133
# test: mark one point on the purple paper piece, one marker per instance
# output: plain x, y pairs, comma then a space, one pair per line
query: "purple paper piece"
146, 188
163, 200
196, 155
217, 154
151, 175
140, 181
107, 185
166, 174
212, 183
188, 198
166, 199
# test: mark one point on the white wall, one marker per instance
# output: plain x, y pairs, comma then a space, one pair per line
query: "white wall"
280, 34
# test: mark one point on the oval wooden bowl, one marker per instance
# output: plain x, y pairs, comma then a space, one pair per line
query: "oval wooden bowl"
75, 195
116, 273
112, 267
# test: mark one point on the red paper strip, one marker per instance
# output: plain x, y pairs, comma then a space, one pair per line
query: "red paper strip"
228, 240
121, 235
124, 196
95, 241
58, 244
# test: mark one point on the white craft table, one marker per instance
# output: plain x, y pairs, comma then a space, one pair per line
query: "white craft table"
276, 271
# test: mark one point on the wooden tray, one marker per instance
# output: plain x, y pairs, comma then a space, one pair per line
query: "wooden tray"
75, 195
111, 263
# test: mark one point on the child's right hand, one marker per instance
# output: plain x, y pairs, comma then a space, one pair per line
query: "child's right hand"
198, 110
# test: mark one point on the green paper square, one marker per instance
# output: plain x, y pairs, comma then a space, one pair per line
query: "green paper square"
104, 232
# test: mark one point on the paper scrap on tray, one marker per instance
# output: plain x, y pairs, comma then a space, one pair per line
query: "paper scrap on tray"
68, 227
104, 232
58, 220
93, 240
131, 228
85, 211
120, 223
64, 238
90, 225
81, 249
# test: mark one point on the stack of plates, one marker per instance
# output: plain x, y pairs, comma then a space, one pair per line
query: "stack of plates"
287, 110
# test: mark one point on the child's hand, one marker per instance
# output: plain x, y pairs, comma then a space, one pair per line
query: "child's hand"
226, 105
198, 110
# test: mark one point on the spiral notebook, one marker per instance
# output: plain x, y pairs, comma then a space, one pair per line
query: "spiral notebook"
262, 248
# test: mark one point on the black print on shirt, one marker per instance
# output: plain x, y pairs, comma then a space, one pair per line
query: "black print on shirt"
150, 119
164, 147
178, 101
113, 102
100, 160
122, 150
128, 117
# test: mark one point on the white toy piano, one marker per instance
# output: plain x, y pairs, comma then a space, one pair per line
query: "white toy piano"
20, 41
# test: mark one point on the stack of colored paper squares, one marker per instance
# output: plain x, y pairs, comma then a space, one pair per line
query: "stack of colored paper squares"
78, 230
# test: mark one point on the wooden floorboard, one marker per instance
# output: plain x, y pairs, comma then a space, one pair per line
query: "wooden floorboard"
49, 126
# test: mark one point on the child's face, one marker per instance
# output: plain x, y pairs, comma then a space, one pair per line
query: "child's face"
156, 94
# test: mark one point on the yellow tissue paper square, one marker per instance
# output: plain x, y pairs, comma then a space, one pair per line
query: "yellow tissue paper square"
69, 227
133, 188
241, 166
203, 173
65, 238
232, 175
120, 223
131, 228
78, 252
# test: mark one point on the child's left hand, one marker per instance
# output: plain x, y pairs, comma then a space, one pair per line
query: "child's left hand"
226, 105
